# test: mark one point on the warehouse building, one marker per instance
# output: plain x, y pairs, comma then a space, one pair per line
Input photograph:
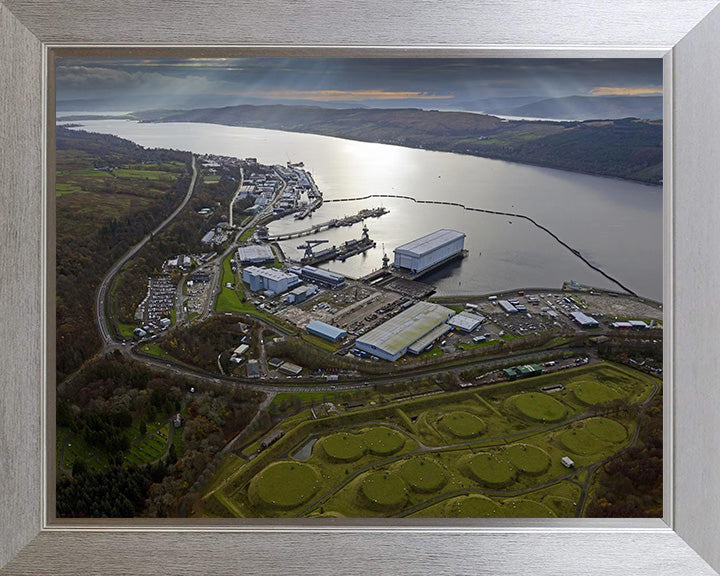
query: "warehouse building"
466, 321
327, 331
238, 353
256, 254
290, 369
507, 307
392, 339
319, 276
270, 279
584, 321
423, 253
427, 341
300, 294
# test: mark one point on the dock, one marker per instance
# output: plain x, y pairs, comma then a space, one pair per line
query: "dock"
334, 223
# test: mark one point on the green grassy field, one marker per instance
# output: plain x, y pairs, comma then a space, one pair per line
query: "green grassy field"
538, 406
528, 458
491, 470
481, 442
423, 474
143, 174
155, 350
343, 447
230, 299
150, 447
591, 392
62, 189
284, 485
463, 424
125, 330
384, 490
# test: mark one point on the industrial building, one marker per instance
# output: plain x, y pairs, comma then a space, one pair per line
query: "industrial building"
507, 307
300, 294
253, 369
525, 371
423, 253
290, 369
327, 331
237, 355
419, 346
319, 276
392, 339
466, 321
270, 279
256, 254
584, 321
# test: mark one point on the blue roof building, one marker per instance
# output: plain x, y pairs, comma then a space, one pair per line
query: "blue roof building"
327, 331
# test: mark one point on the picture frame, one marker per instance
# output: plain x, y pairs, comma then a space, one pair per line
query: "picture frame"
684, 32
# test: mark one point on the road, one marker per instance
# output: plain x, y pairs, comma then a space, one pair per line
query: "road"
101, 298
237, 193
216, 263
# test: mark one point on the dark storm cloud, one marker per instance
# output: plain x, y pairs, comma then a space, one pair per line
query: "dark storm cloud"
361, 80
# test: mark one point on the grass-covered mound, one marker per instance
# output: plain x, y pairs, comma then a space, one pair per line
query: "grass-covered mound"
382, 441
590, 392
491, 470
423, 474
522, 508
474, 506
538, 406
284, 485
606, 429
343, 447
384, 490
478, 506
463, 424
580, 441
527, 458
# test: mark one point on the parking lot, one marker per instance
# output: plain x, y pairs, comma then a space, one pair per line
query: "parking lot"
159, 299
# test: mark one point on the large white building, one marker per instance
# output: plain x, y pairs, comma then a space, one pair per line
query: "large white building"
392, 339
427, 251
255, 254
270, 279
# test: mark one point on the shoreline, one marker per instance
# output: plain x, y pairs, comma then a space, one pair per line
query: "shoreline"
131, 118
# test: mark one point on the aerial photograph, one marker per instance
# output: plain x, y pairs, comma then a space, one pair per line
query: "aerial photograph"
341, 288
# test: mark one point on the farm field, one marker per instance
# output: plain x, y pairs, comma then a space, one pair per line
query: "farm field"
489, 452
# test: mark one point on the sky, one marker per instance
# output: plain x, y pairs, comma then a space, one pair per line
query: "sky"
447, 84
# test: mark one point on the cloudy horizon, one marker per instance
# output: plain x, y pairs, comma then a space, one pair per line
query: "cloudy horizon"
462, 84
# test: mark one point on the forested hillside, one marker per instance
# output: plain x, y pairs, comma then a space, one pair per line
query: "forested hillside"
627, 148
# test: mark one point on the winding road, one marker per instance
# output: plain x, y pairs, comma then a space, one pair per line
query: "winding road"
101, 298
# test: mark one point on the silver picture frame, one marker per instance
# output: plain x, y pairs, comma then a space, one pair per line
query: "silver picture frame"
683, 32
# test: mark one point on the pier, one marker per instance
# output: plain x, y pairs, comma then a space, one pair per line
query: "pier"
335, 223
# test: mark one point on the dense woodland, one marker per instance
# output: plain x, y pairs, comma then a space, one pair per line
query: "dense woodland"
630, 485
182, 236
96, 224
110, 395
627, 148
201, 344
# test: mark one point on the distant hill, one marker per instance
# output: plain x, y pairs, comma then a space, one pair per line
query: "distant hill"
627, 148
589, 107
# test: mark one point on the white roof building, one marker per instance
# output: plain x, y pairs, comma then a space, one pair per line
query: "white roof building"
392, 339
255, 254
466, 321
425, 252
270, 279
